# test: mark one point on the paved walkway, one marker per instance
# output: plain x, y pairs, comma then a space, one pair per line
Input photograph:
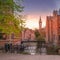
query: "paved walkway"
10, 56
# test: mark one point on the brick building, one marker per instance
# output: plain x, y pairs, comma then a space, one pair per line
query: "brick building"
53, 28
28, 34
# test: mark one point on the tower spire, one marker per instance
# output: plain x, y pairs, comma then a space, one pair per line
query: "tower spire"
40, 19
40, 23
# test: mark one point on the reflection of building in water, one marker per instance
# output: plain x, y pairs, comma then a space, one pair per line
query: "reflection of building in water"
53, 28
30, 47
28, 34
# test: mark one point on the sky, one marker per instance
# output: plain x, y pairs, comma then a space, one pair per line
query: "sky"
33, 9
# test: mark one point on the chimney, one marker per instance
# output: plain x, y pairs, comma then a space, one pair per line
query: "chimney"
59, 11
55, 13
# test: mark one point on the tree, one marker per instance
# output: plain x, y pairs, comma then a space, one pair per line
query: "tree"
39, 39
8, 22
38, 36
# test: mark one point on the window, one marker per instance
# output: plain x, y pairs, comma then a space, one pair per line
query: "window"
3, 36
12, 36
59, 37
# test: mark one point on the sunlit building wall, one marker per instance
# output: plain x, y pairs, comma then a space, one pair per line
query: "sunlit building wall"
53, 28
28, 34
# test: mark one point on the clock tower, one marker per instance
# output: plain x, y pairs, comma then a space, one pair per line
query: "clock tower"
40, 24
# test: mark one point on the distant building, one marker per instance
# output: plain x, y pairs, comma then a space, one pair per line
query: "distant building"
53, 28
28, 34
4, 38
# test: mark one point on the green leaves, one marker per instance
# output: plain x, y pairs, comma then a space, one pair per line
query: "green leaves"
8, 22
18, 7
37, 33
38, 36
10, 5
1, 18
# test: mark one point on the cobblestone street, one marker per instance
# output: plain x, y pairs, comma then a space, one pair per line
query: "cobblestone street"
15, 56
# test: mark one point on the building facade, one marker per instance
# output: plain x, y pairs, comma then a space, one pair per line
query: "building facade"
28, 34
53, 28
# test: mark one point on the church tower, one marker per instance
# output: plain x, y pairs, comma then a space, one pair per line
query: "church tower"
40, 24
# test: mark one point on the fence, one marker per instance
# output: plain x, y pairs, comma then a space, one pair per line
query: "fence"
30, 47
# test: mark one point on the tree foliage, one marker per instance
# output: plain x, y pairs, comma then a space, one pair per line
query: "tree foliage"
8, 22
38, 36
6, 5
